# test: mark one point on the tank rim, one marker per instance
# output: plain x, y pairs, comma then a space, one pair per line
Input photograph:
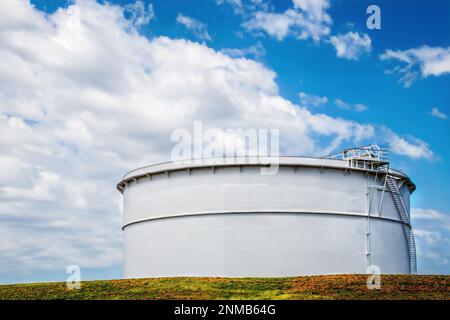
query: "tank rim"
282, 161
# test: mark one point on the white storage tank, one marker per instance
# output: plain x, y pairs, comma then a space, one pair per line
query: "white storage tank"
225, 218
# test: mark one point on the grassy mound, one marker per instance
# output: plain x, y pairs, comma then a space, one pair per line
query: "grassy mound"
313, 287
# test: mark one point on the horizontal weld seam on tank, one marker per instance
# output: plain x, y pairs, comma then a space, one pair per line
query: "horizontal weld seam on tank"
261, 212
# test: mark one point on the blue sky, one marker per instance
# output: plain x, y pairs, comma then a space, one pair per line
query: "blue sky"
362, 88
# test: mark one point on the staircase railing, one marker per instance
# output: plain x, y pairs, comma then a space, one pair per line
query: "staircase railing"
404, 216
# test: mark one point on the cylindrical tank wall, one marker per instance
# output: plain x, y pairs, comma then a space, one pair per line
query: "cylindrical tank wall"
233, 221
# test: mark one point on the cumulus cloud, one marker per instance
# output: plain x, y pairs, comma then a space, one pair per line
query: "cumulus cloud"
264, 5
314, 8
86, 98
351, 45
435, 112
307, 19
432, 235
408, 146
198, 28
253, 51
359, 107
244, 8
425, 61
235, 4
438, 257
139, 14
430, 214
311, 99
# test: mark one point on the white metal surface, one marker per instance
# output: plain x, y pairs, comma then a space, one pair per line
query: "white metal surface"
315, 216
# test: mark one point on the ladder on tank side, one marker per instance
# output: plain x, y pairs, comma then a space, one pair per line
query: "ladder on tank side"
401, 207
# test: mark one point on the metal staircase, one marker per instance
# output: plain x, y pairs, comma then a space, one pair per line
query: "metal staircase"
401, 207
375, 158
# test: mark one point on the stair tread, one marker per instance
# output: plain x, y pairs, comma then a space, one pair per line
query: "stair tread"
405, 218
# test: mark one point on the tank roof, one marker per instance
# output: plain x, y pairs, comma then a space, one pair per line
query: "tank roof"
294, 161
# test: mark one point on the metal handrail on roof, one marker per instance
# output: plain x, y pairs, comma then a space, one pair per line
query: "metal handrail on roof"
371, 153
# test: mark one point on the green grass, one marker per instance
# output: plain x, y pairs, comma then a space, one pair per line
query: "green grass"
314, 287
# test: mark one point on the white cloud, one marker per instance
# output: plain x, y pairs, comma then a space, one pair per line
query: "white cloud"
432, 235
198, 28
264, 5
359, 107
274, 24
351, 45
426, 61
235, 4
435, 112
315, 8
139, 14
85, 98
436, 256
432, 215
311, 99
246, 7
307, 19
408, 146
254, 51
